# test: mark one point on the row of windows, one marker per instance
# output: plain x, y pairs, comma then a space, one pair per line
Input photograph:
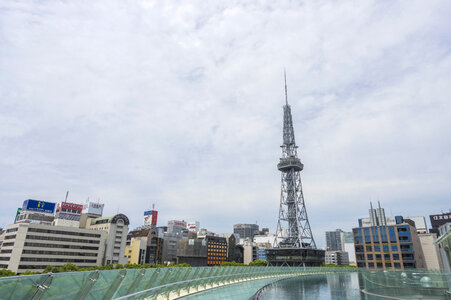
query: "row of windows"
12, 229
52, 238
10, 237
8, 244
64, 260
4, 258
64, 246
3, 266
41, 252
385, 248
6, 251
63, 232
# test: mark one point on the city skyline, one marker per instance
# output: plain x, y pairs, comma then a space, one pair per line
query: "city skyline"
181, 106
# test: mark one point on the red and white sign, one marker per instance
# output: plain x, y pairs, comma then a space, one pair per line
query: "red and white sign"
69, 208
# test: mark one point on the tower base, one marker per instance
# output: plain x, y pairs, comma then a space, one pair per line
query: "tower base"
295, 257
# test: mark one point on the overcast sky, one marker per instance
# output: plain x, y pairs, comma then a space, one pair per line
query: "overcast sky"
179, 103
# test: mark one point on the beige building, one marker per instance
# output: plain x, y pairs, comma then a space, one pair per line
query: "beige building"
135, 251
116, 228
34, 246
431, 252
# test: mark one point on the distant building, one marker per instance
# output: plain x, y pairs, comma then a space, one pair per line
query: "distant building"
246, 230
431, 251
192, 252
444, 244
336, 258
177, 227
380, 244
154, 244
349, 247
249, 252
117, 228
439, 220
335, 240
29, 246
419, 224
216, 250
135, 251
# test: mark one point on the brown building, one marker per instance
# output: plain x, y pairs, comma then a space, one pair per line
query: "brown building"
216, 250
192, 252
154, 244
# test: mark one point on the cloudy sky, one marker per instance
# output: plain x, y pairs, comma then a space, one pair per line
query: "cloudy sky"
179, 103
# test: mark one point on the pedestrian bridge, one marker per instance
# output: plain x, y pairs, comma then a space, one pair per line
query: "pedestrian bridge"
192, 282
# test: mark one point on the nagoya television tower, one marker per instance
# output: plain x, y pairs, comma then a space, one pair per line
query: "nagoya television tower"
294, 243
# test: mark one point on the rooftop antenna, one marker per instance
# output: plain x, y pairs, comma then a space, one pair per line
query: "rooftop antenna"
67, 194
153, 206
286, 93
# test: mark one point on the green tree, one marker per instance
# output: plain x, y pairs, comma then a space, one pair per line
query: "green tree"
258, 263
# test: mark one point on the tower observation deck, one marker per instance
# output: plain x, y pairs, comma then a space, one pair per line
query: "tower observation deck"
294, 243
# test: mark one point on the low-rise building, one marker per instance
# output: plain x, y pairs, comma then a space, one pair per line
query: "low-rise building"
154, 244
336, 258
387, 243
32, 247
135, 251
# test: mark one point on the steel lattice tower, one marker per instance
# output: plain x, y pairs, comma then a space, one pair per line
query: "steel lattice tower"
293, 228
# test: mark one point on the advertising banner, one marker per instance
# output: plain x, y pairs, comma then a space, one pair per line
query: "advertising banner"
93, 208
69, 208
40, 206
150, 217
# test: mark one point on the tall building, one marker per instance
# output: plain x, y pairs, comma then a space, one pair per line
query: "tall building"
335, 240
29, 246
294, 244
384, 245
246, 230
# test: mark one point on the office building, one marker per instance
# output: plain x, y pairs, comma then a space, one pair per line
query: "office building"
154, 244
216, 250
439, 220
246, 230
444, 244
335, 240
336, 258
29, 246
349, 247
249, 251
135, 251
192, 252
387, 246
431, 252
117, 228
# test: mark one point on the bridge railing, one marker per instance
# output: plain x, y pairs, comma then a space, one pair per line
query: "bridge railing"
139, 283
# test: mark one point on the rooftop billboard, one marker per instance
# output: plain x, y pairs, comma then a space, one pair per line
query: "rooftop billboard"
93, 208
39, 206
